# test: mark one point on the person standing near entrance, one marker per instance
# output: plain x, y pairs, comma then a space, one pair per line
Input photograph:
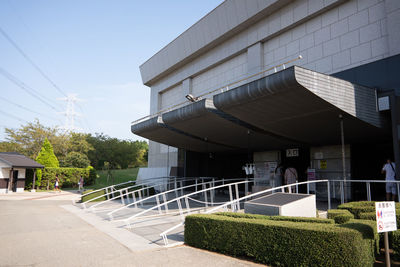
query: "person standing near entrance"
290, 177
391, 188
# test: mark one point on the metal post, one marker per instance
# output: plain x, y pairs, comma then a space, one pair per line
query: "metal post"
398, 195
230, 196
343, 150
246, 187
140, 198
158, 205
341, 193
187, 204
134, 199
369, 191
165, 202
108, 197
180, 209
329, 195
237, 196
122, 197
308, 188
387, 256
205, 196
334, 190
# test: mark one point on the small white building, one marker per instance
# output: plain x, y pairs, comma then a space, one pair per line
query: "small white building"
13, 165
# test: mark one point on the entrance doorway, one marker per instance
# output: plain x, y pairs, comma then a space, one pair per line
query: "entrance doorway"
298, 158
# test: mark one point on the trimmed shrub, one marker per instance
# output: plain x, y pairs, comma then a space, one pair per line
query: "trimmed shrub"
396, 244
69, 177
283, 242
359, 207
92, 176
274, 218
340, 216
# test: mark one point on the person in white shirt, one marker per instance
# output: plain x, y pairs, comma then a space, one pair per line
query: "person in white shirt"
391, 188
290, 177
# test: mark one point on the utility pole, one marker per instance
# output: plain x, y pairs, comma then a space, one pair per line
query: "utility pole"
70, 113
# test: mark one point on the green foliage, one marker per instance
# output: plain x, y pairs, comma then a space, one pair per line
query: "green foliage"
396, 244
46, 155
77, 160
28, 140
283, 243
275, 218
340, 216
119, 153
92, 176
69, 177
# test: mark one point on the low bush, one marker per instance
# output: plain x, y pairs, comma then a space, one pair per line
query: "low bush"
69, 177
284, 243
396, 244
275, 218
359, 207
340, 216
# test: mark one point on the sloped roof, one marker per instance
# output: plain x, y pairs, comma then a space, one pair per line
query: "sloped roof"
15, 159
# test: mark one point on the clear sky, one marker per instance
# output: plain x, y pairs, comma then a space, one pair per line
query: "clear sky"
91, 48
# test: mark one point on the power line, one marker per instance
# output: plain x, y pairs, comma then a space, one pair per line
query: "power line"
27, 109
13, 116
87, 124
25, 87
44, 75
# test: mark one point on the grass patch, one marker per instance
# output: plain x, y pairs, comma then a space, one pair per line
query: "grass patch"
119, 176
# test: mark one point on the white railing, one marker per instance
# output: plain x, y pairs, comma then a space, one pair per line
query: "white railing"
235, 203
178, 189
148, 184
342, 183
211, 189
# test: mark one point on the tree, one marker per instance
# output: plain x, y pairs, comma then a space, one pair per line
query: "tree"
46, 155
77, 160
118, 153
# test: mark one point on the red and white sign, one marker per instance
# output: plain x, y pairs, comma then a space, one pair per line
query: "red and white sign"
385, 216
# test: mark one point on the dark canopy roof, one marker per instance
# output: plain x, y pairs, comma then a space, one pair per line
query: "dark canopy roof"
295, 106
17, 160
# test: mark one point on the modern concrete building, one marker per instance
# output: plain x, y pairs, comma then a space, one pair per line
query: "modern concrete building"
232, 90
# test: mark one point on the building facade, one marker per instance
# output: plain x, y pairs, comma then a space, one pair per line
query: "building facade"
292, 78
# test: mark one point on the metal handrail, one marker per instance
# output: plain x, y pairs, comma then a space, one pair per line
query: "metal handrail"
163, 194
218, 89
104, 188
148, 185
177, 199
236, 201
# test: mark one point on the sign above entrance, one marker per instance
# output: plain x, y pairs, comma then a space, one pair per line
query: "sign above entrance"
385, 216
293, 152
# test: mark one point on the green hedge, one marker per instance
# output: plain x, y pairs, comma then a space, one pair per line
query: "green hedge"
396, 244
359, 207
275, 218
340, 216
283, 242
69, 177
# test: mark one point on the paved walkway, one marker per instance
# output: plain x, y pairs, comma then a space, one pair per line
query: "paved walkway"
44, 229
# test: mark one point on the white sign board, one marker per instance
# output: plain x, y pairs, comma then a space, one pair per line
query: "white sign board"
293, 152
385, 216
383, 103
